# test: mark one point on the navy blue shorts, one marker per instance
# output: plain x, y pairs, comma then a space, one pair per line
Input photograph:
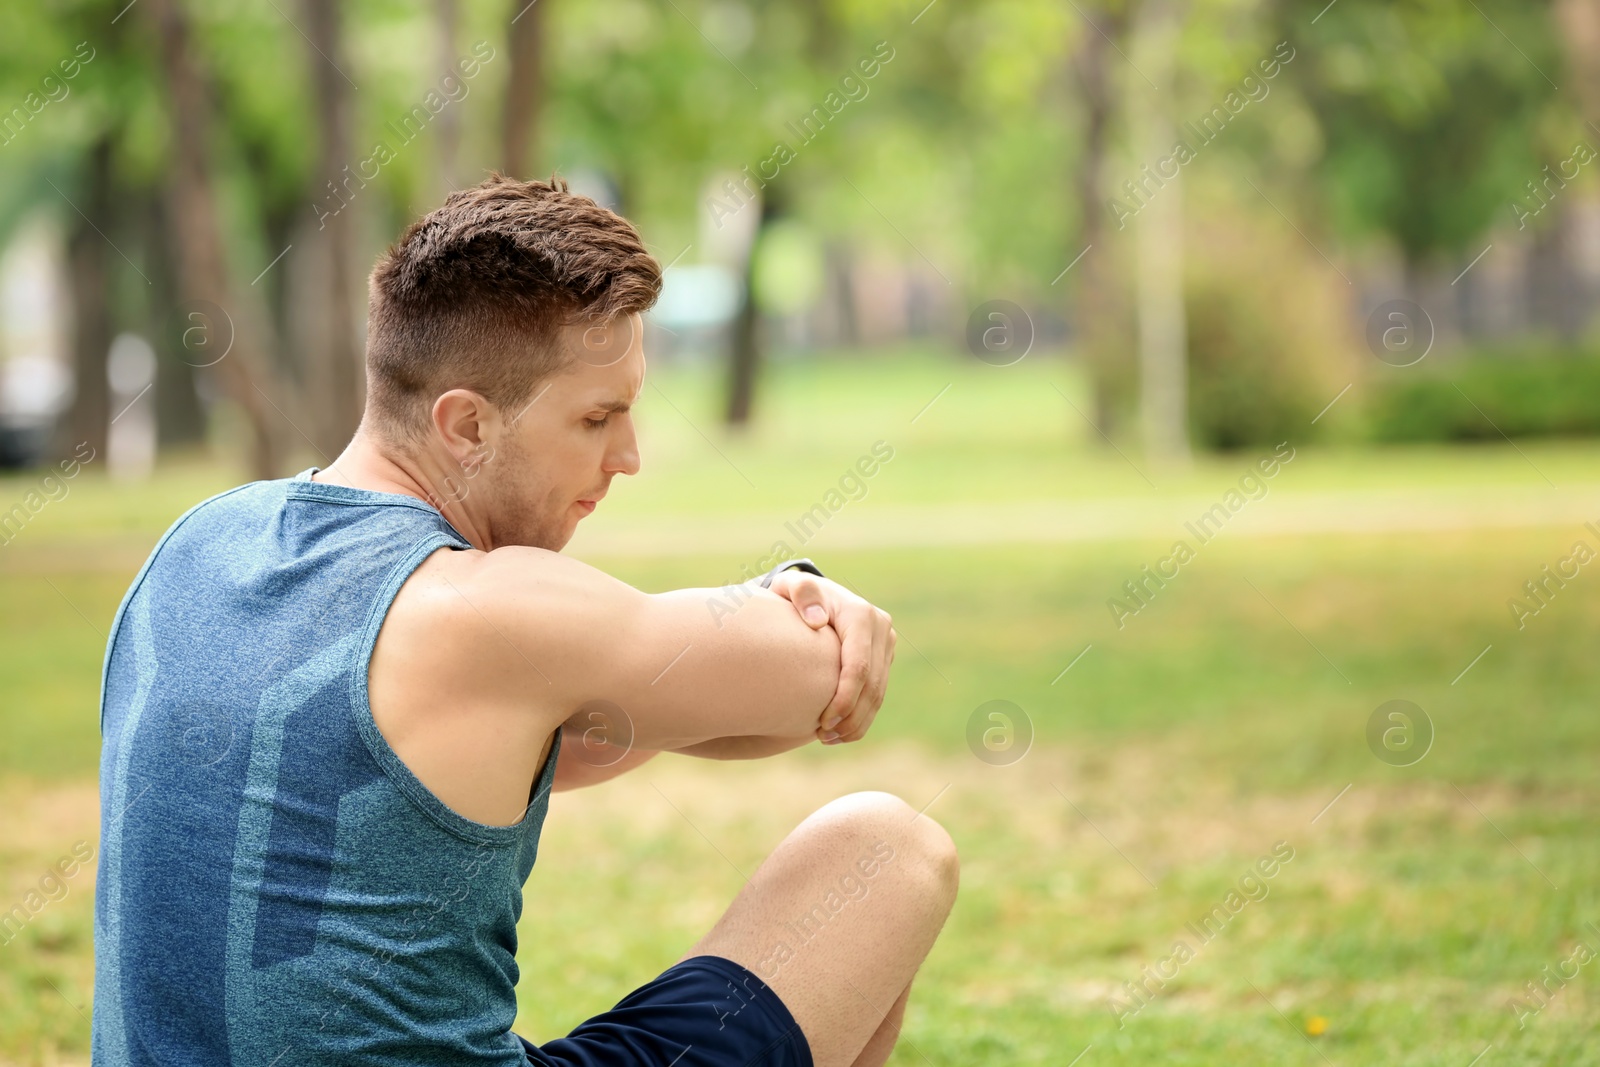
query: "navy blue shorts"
706, 1011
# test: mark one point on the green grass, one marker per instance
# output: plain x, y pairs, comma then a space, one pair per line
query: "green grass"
1221, 719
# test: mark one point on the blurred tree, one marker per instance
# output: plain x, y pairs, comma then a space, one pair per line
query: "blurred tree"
1163, 338
1094, 302
938, 158
1426, 112
446, 18
180, 416
66, 77
198, 243
334, 370
1579, 21
89, 258
744, 337
524, 87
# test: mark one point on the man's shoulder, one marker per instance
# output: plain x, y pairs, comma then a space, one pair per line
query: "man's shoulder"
240, 504
500, 580
193, 540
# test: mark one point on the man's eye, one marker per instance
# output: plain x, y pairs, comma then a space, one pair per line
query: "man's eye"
595, 424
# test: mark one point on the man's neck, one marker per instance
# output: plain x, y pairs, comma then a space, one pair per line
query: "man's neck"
364, 465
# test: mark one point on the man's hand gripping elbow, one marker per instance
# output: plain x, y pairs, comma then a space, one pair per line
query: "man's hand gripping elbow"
866, 649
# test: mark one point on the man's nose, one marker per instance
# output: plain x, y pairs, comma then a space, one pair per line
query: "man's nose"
624, 457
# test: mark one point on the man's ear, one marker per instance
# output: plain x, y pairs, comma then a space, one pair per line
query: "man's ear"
468, 424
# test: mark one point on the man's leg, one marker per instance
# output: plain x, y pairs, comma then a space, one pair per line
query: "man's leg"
876, 1054
838, 919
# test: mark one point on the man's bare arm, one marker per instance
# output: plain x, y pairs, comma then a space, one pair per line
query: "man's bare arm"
676, 675
742, 748
573, 771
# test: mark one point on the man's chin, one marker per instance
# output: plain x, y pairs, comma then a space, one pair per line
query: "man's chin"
550, 541
558, 542
550, 544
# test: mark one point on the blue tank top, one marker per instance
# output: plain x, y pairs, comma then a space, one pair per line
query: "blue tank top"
275, 886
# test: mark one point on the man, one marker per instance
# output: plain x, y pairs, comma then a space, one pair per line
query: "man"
334, 707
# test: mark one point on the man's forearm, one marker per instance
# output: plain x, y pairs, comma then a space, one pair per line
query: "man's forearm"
572, 772
743, 748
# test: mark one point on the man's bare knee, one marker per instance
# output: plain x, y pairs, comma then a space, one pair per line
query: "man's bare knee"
919, 841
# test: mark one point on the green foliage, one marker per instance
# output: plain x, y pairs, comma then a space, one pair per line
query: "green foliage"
1426, 111
1477, 397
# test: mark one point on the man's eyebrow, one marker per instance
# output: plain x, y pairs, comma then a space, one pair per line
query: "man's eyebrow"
616, 405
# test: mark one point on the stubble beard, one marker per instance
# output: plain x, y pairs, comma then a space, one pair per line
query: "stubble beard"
522, 518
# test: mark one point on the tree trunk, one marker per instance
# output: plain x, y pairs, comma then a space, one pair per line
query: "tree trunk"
334, 373
822, 38
1579, 22
842, 283
197, 237
180, 418
524, 87
89, 258
446, 16
1094, 297
744, 354
744, 340
1163, 331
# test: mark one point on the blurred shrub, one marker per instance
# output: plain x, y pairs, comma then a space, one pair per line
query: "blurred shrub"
1244, 389
1524, 392
1269, 341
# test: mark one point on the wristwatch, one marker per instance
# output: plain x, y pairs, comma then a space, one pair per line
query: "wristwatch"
799, 564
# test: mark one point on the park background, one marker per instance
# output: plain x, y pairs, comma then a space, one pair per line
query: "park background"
962, 233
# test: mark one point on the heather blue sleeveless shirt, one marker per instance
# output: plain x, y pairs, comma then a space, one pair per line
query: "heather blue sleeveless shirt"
275, 886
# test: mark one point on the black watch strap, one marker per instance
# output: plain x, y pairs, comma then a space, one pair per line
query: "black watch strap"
800, 564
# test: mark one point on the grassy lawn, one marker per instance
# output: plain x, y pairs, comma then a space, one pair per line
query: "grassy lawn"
1228, 716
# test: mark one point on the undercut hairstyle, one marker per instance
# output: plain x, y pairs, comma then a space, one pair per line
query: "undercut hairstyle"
475, 295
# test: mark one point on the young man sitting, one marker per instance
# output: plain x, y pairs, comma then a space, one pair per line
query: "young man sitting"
335, 705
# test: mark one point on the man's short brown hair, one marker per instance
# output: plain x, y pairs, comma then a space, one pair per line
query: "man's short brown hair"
474, 295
